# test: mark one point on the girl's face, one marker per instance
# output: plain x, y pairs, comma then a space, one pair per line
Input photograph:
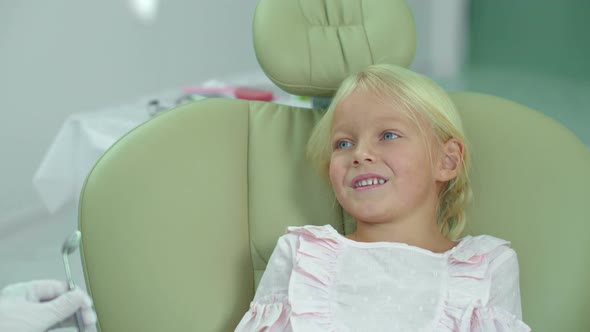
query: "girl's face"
381, 168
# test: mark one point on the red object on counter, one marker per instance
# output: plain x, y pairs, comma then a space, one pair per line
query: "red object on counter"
240, 92
253, 94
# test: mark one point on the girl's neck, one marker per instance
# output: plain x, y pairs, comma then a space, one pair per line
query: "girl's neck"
419, 235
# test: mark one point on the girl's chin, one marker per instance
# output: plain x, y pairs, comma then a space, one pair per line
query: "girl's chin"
371, 218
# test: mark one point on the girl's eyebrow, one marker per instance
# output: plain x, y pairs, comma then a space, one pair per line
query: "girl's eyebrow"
396, 121
392, 118
337, 135
338, 123
339, 129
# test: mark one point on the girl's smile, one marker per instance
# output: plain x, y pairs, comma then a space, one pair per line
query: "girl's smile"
367, 181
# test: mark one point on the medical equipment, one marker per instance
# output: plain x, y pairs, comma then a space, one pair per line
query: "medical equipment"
70, 245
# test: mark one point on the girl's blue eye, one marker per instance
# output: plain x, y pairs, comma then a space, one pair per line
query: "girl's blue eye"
342, 144
389, 135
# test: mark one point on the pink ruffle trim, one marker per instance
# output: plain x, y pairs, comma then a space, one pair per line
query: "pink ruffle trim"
484, 319
311, 275
270, 313
467, 272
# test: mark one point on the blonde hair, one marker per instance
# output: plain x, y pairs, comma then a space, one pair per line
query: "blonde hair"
420, 96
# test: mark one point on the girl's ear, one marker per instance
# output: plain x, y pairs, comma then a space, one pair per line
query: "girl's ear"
450, 161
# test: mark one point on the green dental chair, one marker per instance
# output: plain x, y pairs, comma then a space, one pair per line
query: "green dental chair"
180, 216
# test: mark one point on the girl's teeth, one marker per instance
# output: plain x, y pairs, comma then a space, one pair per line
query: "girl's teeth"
369, 182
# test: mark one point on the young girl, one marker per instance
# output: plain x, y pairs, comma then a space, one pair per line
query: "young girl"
393, 147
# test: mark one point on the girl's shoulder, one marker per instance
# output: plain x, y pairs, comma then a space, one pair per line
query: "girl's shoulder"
471, 248
313, 231
311, 234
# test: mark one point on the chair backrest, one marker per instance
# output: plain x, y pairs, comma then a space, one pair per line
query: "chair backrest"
531, 184
181, 215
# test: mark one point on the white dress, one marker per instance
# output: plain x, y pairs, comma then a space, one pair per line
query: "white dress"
318, 280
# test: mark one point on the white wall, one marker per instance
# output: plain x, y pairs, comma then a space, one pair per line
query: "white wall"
64, 56
441, 38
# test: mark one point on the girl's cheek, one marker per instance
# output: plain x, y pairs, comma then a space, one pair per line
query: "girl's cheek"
333, 172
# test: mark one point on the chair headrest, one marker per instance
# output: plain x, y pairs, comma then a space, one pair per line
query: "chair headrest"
307, 47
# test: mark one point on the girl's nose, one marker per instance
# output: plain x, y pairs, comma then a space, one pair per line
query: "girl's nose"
358, 161
363, 155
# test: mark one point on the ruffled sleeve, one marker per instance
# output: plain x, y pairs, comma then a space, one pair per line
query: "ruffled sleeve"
493, 319
271, 309
483, 292
272, 313
313, 276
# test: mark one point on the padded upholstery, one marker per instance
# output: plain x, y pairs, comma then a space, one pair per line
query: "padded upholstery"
351, 35
531, 184
180, 216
